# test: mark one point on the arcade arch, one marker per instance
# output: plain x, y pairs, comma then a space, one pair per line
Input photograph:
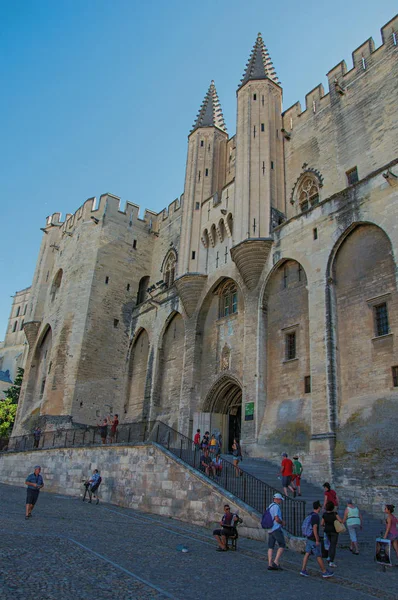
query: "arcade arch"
137, 377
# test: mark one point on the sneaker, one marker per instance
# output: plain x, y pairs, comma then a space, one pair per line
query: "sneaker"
331, 564
327, 574
294, 494
277, 566
273, 568
304, 573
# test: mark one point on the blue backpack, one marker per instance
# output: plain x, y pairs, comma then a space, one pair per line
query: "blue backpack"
306, 527
267, 520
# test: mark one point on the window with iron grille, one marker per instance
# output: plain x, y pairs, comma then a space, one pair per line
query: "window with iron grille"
352, 176
290, 346
381, 319
394, 371
307, 384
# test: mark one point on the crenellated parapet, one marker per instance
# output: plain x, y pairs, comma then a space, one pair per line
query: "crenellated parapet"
364, 59
109, 206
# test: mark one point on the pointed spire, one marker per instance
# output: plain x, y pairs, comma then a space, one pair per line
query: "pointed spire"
260, 64
210, 112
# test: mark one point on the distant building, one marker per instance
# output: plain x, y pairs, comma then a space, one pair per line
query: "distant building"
13, 351
263, 302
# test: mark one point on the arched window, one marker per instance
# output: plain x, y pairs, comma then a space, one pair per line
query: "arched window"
169, 269
56, 284
228, 300
308, 193
142, 288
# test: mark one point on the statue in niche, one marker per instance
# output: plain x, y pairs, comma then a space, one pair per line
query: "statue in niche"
225, 358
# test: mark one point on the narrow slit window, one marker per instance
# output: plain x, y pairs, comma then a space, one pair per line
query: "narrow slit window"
134, 244
128, 287
307, 384
193, 254
207, 172
394, 371
272, 164
262, 127
202, 143
315, 233
197, 205
106, 280
254, 97
254, 131
115, 323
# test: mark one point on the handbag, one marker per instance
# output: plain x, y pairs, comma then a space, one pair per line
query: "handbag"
339, 527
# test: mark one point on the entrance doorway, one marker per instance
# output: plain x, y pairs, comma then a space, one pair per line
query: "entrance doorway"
222, 410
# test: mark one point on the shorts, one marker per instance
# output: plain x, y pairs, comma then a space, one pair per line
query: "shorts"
32, 496
286, 481
237, 458
312, 548
276, 537
392, 537
352, 530
226, 532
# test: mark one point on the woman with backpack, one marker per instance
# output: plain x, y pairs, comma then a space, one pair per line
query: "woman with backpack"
328, 523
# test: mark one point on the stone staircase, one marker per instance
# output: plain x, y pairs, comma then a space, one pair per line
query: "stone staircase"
269, 472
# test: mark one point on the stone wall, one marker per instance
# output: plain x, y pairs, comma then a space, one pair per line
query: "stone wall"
143, 477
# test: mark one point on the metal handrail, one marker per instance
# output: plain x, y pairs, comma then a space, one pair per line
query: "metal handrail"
254, 492
246, 487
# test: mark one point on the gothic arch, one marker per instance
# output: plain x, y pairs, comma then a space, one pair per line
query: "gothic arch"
225, 393
169, 267
170, 369
306, 190
40, 368
56, 284
361, 315
285, 351
137, 377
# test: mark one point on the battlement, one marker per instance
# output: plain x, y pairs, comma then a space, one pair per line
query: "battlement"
364, 58
110, 205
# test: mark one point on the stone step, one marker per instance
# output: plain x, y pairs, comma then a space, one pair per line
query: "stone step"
269, 473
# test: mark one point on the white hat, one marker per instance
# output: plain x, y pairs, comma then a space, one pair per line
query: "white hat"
279, 496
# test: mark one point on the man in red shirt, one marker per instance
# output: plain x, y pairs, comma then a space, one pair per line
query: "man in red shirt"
287, 472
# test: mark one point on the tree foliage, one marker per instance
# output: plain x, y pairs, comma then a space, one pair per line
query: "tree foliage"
8, 406
8, 409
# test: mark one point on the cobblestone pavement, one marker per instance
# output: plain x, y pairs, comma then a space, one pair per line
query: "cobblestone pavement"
70, 550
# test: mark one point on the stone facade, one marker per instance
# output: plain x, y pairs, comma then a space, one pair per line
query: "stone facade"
263, 302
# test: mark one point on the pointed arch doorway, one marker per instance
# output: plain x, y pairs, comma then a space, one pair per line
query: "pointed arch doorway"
222, 411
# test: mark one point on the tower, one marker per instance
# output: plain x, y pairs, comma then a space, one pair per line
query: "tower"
259, 147
205, 175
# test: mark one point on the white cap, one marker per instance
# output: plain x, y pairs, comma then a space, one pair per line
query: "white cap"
279, 496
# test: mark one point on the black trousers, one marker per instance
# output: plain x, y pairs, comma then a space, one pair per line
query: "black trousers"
333, 538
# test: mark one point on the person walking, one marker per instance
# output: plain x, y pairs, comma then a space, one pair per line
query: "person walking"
237, 454
35, 482
313, 544
330, 496
297, 470
391, 532
353, 519
275, 534
328, 519
287, 473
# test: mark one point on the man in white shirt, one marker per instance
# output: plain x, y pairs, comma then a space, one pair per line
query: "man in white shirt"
275, 534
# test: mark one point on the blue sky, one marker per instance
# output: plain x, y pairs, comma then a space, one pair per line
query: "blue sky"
99, 96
